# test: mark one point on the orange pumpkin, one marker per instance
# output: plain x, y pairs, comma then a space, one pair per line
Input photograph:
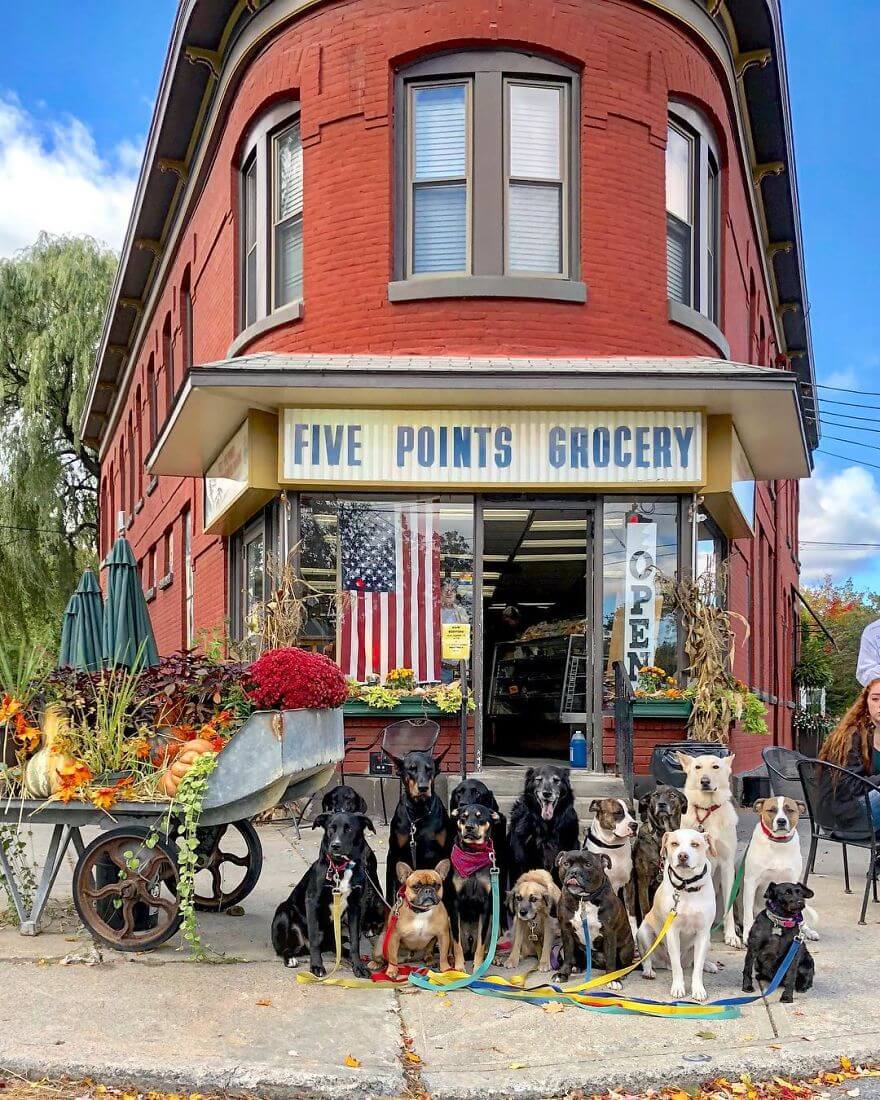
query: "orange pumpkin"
182, 763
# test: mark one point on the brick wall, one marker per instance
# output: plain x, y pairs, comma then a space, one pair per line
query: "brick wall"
338, 60
366, 734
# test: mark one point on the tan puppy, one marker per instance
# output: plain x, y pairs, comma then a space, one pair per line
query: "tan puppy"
687, 887
710, 810
533, 901
418, 919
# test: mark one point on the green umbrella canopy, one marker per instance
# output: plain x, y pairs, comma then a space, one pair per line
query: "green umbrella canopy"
128, 633
67, 625
85, 642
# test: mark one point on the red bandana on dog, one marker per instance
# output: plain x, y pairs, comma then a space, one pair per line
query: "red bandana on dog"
467, 861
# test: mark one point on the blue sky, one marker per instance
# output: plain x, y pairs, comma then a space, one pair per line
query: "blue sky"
76, 98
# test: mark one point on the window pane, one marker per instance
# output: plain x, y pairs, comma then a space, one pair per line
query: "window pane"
712, 240
288, 262
535, 148
678, 260
253, 585
288, 169
440, 132
535, 220
679, 152
251, 287
440, 228
661, 632
250, 207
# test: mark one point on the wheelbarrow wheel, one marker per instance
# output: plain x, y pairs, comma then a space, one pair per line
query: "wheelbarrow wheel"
235, 845
126, 892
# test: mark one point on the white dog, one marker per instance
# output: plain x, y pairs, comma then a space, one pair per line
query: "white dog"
774, 855
686, 886
710, 809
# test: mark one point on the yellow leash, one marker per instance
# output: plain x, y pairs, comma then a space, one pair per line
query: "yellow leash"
306, 977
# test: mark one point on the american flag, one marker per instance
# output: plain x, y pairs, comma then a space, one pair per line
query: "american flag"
390, 567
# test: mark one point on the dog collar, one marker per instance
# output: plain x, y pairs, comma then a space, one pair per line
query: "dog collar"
469, 861
772, 836
602, 843
783, 922
689, 885
335, 870
707, 812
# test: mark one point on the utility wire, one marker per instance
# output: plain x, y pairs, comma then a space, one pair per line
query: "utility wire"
851, 404
849, 458
846, 389
853, 442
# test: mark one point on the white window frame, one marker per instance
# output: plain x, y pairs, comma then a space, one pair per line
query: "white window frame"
274, 223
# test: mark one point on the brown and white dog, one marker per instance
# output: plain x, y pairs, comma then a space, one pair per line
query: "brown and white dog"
774, 855
533, 901
710, 810
417, 920
611, 834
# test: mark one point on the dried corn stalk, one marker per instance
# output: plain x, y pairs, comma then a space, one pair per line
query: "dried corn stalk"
289, 604
709, 645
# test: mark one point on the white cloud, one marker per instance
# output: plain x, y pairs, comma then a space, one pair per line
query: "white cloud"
53, 178
842, 379
839, 507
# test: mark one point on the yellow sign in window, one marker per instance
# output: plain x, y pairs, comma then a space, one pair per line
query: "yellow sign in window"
455, 641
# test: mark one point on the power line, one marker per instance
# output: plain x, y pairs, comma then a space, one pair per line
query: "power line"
845, 416
819, 542
849, 458
853, 442
846, 389
851, 404
850, 427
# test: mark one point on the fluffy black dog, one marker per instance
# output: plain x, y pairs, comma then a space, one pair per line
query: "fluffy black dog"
346, 800
474, 792
772, 935
421, 834
660, 813
543, 822
303, 924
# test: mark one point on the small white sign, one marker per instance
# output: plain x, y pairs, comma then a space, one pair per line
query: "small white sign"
640, 591
227, 477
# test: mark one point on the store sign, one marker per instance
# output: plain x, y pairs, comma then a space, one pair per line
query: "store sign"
640, 606
478, 447
455, 642
227, 477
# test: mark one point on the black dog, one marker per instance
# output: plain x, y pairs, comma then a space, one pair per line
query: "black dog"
420, 829
543, 822
303, 924
587, 896
468, 889
772, 935
660, 813
474, 792
346, 800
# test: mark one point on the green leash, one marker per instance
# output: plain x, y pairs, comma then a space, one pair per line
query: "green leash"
735, 888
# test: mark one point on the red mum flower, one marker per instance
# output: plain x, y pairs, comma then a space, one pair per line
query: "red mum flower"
296, 679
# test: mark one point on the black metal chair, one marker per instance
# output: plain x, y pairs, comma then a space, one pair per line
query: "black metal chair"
664, 762
782, 768
401, 737
819, 778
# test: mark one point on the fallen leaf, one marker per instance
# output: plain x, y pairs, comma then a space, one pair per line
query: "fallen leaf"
352, 1062
852, 1092
412, 1059
706, 1035
264, 1003
845, 1063
517, 1065
776, 1046
553, 1006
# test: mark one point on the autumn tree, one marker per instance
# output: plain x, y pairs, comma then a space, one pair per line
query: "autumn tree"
845, 611
52, 302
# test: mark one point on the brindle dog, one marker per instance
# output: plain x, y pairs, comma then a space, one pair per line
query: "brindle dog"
660, 813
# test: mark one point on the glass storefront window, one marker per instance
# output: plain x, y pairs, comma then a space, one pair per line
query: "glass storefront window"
711, 555
254, 585
636, 628
381, 577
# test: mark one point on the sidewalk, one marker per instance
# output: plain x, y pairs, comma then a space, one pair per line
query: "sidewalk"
248, 1027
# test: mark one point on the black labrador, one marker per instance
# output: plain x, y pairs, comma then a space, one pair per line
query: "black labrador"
474, 792
543, 822
660, 813
303, 924
420, 828
343, 799
772, 935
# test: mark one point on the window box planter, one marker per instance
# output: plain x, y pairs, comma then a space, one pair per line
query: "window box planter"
662, 708
407, 708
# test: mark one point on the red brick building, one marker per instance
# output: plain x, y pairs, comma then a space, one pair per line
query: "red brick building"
467, 307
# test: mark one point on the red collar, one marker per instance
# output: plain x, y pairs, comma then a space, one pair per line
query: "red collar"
337, 870
772, 836
706, 811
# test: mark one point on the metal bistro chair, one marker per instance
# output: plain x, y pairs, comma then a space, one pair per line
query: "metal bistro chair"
399, 738
817, 777
782, 768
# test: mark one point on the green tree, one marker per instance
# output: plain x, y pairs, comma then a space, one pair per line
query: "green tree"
52, 302
846, 612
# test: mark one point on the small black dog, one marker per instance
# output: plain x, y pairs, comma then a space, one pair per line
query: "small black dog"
660, 813
772, 935
420, 828
587, 896
474, 792
543, 822
468, 890
303, 923
343, 799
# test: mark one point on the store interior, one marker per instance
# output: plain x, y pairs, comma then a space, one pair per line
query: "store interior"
535, 598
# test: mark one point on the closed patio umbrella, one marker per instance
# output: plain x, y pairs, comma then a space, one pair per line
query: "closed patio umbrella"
82, 629
128, 633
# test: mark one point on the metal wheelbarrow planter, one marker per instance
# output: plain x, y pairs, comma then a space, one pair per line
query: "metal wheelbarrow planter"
125, 892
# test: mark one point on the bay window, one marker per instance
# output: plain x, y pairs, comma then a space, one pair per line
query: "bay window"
487, 179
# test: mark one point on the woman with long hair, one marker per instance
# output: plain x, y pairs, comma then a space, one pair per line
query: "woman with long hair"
855, 745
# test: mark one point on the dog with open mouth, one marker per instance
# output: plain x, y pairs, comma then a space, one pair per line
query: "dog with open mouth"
543, 821
417, 921
589, 898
